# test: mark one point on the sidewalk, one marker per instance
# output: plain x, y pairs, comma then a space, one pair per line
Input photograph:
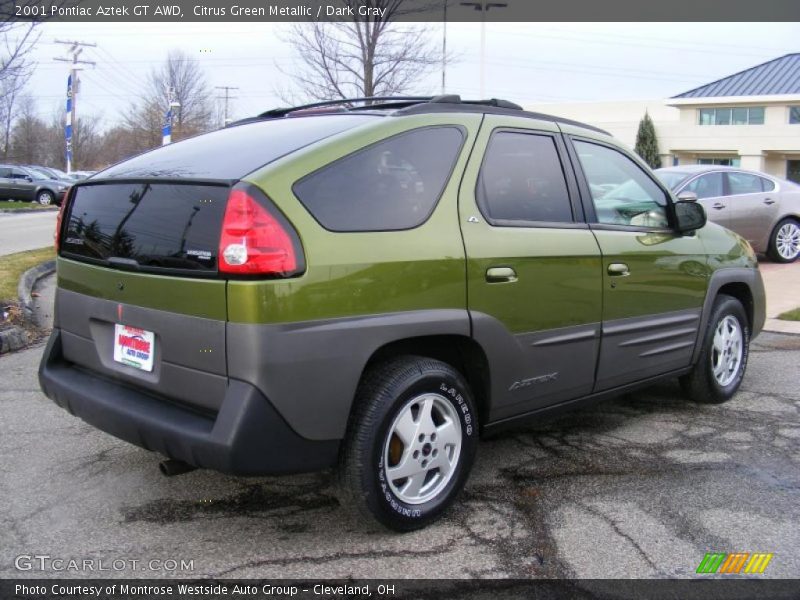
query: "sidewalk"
782, 283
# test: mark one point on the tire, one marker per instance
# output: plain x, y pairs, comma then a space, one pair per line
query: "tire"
45, 197
784, 243
393, 402
720, 367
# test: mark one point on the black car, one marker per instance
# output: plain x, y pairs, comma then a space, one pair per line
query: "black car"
23, 183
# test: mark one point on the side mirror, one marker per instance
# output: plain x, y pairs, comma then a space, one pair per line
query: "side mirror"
689, 214
687, 196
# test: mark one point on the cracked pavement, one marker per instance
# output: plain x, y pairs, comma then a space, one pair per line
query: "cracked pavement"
640, 486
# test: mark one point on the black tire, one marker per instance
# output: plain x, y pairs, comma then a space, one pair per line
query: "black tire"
385, 393
45, 197
781, 228
701, 384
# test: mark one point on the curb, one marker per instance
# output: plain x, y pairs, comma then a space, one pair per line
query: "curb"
22, 211
16, 338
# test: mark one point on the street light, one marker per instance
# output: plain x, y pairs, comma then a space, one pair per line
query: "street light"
484, 8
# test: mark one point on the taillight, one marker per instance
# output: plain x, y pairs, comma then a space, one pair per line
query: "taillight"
256, 239
61, 209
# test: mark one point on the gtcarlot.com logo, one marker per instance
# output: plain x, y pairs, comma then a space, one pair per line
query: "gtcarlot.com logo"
735, 563
45, 562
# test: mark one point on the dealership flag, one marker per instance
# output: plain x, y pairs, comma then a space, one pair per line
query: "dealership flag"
68, 125
166, 130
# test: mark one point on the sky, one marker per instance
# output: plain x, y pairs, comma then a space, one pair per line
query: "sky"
528, 63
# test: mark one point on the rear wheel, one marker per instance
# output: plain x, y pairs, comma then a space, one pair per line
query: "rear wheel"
411, 443
45, 197
784, 243
720, 368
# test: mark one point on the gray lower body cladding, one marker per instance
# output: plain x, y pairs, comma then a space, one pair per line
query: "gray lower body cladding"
247, 436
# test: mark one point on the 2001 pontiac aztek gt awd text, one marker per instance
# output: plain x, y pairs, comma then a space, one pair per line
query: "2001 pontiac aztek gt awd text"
372, 287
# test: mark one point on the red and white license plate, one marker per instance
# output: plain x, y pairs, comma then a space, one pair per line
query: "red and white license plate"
134, 347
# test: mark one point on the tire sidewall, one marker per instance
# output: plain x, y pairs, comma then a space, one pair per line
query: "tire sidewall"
727, 307
380, 495
773, 242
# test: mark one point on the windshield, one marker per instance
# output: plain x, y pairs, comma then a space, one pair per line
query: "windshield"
672, 179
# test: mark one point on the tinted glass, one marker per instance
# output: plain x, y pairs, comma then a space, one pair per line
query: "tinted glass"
706, 186
743, 183
622, 192
756, 116
522, 180
391, 185
672, 179
5, 171
723, 116
235, 151
706, 116
740, 116
767, 184
160, 226
794, 115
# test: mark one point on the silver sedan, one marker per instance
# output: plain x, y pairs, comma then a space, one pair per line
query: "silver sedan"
763, 209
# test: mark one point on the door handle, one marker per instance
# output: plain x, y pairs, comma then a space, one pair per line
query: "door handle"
500, 275
618, 270
718, 206
769, 201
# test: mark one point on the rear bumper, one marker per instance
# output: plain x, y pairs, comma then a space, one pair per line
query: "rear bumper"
246, 437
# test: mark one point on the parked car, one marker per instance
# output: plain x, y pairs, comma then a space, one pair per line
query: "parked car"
372, 288
765, 210
23, 183
79, 175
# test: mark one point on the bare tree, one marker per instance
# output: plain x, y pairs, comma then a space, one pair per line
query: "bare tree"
16, 40
366, 56
182, 77
10, 89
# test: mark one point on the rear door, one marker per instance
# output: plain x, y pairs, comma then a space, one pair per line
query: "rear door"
753, 206
533, 266
654, 279
22, 188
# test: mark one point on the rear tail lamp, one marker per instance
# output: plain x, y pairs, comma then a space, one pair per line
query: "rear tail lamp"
61, 209
256, 238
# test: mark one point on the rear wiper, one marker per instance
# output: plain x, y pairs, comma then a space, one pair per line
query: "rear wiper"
127, 264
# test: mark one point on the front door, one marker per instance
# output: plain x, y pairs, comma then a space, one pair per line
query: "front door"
710, 190
654, 279
533, 266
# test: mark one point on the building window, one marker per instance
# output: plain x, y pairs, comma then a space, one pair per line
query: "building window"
753, 115
794, 115
725, 162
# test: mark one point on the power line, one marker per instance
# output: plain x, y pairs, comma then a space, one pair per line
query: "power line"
75, 49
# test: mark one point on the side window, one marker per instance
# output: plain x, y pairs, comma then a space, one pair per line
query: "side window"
522, 180
391, 185
767, 184
622, 192
5, 172
706, 186
744, 183
17, 174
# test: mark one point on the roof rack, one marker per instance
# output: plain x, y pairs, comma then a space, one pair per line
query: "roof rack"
410, 105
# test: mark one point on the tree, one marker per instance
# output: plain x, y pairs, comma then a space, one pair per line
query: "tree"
183, 77
647, 142
10, 88
16, 42
366, 56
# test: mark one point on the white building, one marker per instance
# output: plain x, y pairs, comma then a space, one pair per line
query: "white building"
750, 119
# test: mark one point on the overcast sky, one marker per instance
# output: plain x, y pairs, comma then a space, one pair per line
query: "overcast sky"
526, 62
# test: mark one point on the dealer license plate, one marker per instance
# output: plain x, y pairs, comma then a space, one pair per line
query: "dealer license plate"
134, 347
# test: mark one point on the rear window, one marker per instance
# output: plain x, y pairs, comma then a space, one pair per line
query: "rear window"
147, 226
236, 151
388, 186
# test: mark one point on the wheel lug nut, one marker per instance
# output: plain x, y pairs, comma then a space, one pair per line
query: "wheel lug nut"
416, 453
421, 437
433, 437
424, 463
435, 452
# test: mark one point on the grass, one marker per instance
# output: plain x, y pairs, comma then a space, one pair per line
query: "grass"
7, 205
790, 315
12, 266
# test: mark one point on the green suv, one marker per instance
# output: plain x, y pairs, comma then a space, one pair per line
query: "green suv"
371, 287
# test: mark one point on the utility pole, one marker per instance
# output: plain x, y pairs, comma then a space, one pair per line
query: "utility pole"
444, 46
166, 129
75, 49
226, 97
484, 8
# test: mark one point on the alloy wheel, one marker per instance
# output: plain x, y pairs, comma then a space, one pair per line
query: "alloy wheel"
727, 352
787, 241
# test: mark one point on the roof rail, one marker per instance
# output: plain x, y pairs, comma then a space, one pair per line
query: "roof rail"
282, 112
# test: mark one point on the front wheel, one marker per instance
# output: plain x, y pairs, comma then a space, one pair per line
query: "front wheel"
784, 243
411, 442
45, 198
720, 368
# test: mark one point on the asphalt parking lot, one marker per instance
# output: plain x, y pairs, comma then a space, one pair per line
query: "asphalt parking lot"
641, 486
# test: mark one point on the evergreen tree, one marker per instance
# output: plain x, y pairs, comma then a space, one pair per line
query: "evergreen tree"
647, 142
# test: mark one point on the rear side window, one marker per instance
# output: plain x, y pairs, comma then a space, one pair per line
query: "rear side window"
744, 183
521, 180
150, 226
388, 186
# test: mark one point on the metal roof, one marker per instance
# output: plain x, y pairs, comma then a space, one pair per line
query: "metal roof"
777, 76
